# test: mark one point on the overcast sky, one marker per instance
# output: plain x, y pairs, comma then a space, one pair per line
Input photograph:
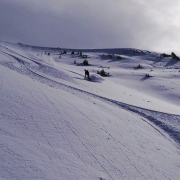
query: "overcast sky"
144, 24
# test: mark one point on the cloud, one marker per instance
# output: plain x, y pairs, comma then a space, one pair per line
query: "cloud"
144, 24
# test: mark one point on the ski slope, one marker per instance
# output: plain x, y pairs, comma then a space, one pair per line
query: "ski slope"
54, 124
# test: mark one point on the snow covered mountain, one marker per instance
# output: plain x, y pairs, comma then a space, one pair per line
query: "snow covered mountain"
55, 124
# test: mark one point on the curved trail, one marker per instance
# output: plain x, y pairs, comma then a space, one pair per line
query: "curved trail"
52, 128
155, 117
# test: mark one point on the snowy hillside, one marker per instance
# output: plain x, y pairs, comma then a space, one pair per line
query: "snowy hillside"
55, 124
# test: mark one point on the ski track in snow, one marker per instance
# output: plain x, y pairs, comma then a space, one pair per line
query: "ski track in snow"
158, 120
153, 116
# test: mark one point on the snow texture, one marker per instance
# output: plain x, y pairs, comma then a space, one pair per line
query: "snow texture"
54, 124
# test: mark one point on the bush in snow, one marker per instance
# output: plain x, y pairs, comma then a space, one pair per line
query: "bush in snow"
64, 52
147, 75
85, 62
102, 73
165, 55
139, 66
110, 55
173, 55
72, 52
119, 57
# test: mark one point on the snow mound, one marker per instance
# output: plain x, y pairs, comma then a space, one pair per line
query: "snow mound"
48, 60
96, 78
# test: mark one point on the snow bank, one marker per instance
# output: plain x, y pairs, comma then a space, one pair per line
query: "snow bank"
48, 59
96, 78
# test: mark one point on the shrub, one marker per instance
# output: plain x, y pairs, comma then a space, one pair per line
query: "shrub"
173, 55
111, 55
147, 75
102, 73
139, 66
85, 62
72, 52
119, 57
165, 55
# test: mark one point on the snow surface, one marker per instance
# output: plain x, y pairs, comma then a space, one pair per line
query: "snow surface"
54, 124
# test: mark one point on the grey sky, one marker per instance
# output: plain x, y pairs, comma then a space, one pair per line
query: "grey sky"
145, 24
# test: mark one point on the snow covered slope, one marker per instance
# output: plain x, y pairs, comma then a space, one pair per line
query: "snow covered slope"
54, 124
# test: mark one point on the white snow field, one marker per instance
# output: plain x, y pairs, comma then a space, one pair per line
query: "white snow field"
57, 125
